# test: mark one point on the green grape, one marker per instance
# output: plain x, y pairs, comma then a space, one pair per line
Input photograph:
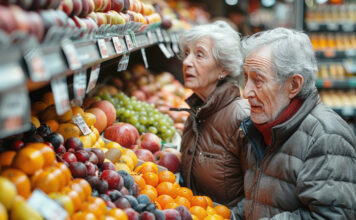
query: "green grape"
143, 120
152, 130
142, 129
162, 128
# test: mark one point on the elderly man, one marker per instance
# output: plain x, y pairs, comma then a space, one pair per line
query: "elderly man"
301, 156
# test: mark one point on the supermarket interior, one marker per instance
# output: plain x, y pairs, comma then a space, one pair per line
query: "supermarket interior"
87, 89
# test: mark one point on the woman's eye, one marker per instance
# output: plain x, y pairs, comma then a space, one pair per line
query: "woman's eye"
200, 54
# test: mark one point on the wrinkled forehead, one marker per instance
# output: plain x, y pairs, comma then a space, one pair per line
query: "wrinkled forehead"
259, 60
202, 42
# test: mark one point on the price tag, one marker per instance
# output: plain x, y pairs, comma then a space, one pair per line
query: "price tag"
11, 75
133, 37
117, 45
128, 42
80, 84
48, 208
164, 50
36, 66
347, 27
169, 48
159, 35
71, 55
94, 75
144, 57
60, 93
123, 63
347, 111
166, 36
329, 53
313, 26
14, 114
78, 120
150, 39
350, 53
175, 48
102, 48
332, 26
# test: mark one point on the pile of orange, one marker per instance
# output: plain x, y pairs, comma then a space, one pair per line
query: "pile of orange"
162, 188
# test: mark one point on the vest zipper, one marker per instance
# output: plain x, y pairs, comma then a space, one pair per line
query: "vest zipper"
257, 183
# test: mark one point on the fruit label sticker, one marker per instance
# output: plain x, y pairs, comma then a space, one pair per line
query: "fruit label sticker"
159, 35
164, 50
102, 48
36, 66
14, 114
117, 45
150, 39
129, 42
80, 84
71, 55
144, 57
94, 75
78, 120
48, 208
60, 93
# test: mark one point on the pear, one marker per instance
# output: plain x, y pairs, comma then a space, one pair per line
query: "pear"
7, 193
22, 211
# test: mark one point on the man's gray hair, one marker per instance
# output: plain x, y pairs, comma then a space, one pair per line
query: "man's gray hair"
292, 53
226, 44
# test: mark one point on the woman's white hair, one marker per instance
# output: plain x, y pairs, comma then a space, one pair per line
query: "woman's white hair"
226, 44
292, 53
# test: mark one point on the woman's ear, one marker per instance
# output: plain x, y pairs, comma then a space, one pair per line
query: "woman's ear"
295, 85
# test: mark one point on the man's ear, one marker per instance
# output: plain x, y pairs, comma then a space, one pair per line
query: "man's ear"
295, 85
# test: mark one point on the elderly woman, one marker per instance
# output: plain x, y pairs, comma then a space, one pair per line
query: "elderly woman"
210, 145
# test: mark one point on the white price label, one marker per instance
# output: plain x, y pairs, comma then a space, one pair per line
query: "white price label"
175, 48
347, 111
164, 50
312, 26
123, 63
71, 55
144, 57
150, 39
80, 84
332, 26
166, 36
36, 66
102, 48
117, 45
48, 208
347, 27
78, 120
60, 93
128, 42
168, 46
17, 76
94, 75
350, 53
159, 35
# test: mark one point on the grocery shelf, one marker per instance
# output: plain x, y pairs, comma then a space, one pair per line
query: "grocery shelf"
334, 54
345, 111
346, 83
330, 27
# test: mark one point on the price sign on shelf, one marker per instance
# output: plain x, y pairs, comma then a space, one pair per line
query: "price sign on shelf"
60, 93
133, 38
94, 75
150, 39
347, 27
117, 45
80, 84
78, 120
128, 42
36, 65
144, 57
332, 26
159, 35
175, 48
163, 48
71, 55
123, 63
102, 48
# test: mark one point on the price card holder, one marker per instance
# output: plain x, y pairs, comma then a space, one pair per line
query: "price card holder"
129, 42
347, 27
78, 120
60, 93
313, 26
102, 48
133, 38
14, 111
71, 56
159, 35
80, 84
144, 57
117, 45
350, 53
166, 37
36, 65
332, 26
175, 48
169, 48
48, 208
94, 75
150, 38
123, 63
163, 48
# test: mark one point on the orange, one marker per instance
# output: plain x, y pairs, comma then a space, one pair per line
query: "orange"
20, 180
53, 124
194, 217
151, 188
28, 160
175, 184
117, 214
85, 186
210, 210
182, 201
38, 107
74, 196
185, 192
209, 201
150, 193
65, 172
83, 216
171, 205
140, 181
78, 188
198, 211
223, 211
159, 207
167, 188
47, 152
77, 110
6, 158
199, 201
46, 181
147, 167
150, 178
95, 205
48, 98
213, 217
163, 200
166, 176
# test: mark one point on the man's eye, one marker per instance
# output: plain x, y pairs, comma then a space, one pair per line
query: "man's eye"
258, 82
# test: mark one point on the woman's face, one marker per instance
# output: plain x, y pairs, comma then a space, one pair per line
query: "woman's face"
200, 69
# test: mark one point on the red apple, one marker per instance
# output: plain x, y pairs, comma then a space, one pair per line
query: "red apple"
123, 133
91, 168
112, 177
7, 20
174, 151
171, 214
126, 5
107, 5
170, 161
77, 7
85, 9
150, 142
107, 107
69, 157
108, 166
117, 5
144, 155
147, 216
82, 155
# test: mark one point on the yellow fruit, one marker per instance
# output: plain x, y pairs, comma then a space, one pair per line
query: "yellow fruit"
66, 117
6, 158
210, 211
35, 121
131, 154
86, 140
113, 145
65, 201
68, 130
49, 114
89, 118
127, 159
101, 142
122, 166
93, 137
22, 211
28, 160
3, 212
95, 131
7, 192
213, 217
77, 110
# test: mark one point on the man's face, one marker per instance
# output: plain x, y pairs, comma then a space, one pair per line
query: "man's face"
266, 96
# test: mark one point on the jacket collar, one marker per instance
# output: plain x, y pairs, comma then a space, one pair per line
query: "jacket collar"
223, 95
281, 132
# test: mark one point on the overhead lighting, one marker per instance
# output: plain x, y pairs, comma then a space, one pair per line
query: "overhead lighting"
231, 2
268, 3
